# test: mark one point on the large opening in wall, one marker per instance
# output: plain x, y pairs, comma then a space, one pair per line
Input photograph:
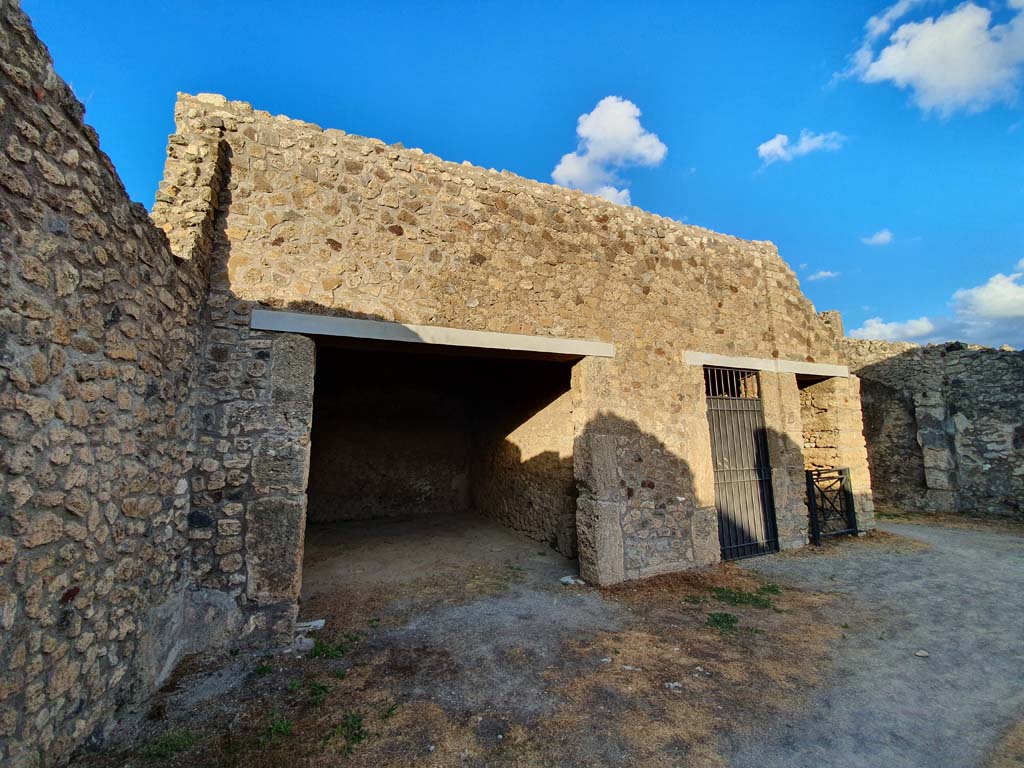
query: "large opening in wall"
426, 456
830, 503
820, 422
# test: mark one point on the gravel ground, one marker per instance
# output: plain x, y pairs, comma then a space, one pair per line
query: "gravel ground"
961, 601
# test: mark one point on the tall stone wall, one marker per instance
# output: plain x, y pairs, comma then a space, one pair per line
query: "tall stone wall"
98, 327
944, 425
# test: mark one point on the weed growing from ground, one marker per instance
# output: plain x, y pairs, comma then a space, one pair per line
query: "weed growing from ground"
723, 622
317, 691
294, 685
279, 728
263, 668
738, 597
168, 745
351, 732
325, 650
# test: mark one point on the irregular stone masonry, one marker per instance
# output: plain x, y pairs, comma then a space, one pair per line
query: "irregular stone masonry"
155, 447
98, 327
943, 424
322, 221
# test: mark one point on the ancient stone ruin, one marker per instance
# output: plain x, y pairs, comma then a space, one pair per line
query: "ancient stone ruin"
312, 327
944, 425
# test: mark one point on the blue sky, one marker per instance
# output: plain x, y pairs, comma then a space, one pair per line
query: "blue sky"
911, 114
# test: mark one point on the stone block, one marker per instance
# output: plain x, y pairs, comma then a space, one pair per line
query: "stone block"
293, 365
599, 532
273, 548
281, 463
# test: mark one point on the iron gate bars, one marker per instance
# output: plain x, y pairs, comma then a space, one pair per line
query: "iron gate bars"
743, 476
830, 502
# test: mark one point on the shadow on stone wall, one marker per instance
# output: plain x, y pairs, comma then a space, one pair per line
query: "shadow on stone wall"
643, 511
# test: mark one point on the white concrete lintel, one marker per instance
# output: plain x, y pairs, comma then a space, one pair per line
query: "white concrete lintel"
380, 330
826, 370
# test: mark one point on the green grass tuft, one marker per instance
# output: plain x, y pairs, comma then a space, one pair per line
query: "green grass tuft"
317, 691
325, 650
168, 745
738, 597
278, 729
351, 732
723, 622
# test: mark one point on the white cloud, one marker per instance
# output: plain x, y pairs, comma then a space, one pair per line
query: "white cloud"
958, 60
991, 313
823, 275
881, 237
911, 330
1001, 297
778, 148
610, 138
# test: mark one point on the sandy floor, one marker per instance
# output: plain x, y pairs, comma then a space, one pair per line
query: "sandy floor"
397, 551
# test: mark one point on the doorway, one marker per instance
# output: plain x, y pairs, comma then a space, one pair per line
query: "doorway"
742, 470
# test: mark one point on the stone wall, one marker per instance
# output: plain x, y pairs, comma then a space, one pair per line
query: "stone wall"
391, 437
322, 221
944, 425
98, 327
522, 472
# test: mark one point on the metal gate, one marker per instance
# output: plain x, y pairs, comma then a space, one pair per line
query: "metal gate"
743, 478
830, 502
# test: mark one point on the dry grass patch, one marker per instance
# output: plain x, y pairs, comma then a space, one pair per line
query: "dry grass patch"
881, 541
662, 690
1010, 751
655, 694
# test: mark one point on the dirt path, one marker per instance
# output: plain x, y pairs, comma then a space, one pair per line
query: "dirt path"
962, 601
456, 645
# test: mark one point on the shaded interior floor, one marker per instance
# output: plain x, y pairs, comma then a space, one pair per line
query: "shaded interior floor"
401, 434
393, 552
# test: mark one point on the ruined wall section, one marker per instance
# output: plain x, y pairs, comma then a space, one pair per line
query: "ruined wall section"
253, 403
98, 324
944, 425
